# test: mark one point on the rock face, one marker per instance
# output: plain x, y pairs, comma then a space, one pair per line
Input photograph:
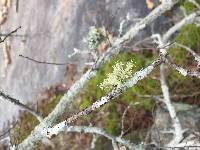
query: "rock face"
189, 117
50, 30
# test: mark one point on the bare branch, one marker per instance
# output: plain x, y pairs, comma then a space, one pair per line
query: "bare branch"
21, 105
123, 119
93, 130
93, 143
9, 34
178, 131
42, 62
178, 134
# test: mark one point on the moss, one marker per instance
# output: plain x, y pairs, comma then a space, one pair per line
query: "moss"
112, 121
24, 128
50, 104
189, 7
190, 36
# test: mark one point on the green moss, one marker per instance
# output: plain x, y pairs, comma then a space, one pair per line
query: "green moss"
50, 104
85, 104
190, 36
189, 7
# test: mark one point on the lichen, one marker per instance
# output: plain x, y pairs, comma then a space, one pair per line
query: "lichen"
120, 73
92, 92
94, 38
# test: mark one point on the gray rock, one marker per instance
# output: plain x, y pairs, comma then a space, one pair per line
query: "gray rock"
189, 118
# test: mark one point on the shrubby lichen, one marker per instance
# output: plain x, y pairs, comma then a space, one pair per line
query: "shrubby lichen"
95, 37
120, 73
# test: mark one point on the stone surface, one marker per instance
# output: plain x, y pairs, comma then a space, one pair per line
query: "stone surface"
189, 118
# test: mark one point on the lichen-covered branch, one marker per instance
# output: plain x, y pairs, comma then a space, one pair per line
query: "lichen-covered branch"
178, 131
139, 75
182, 70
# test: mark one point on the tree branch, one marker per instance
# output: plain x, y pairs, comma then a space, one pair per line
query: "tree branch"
92, 130
181, 70
187, 20
195, 55
9, 34
21, 105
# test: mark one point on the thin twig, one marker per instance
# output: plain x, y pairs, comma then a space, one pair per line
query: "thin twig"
92, 130
123, 119
18, 103
9, 34
93, 142
195, 55
42, 62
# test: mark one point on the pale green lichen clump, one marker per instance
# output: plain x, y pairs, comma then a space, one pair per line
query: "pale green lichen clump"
95, 37
120, 73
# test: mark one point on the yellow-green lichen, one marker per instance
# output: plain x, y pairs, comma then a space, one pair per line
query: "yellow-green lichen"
92, 92
121, 72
